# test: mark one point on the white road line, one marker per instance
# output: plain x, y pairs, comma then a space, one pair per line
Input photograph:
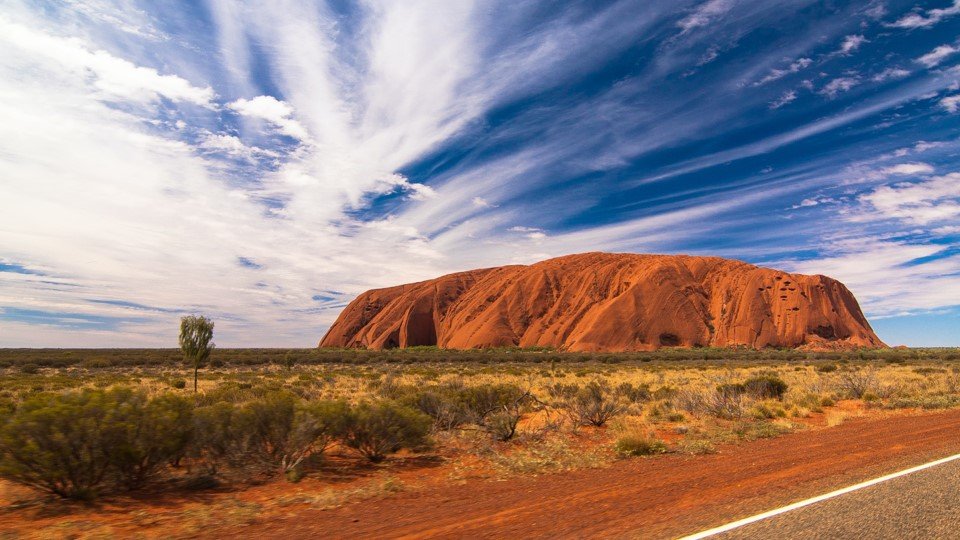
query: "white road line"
814, 500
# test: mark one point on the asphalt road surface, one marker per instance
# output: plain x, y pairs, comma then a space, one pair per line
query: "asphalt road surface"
924, 504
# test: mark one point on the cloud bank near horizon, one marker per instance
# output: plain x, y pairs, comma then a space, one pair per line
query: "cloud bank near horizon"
263, 163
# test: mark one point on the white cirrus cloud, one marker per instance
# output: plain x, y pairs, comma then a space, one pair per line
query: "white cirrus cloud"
480, 202
930, 201
928, 18
907, 169
274, 111
775, 74
841, 84
946, 230
111, 78
852, 43
951, 103
704, 14
787, 97
888, 277
233, 146
937, 55
889, 74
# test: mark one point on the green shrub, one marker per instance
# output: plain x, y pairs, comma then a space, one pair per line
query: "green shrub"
446, 410
282, 432
144, 436
731, 389
78, 444
634, 394
96, 363
378, 429
483, 400
766, 387
179, 384
274, 433
29, 369
220, 436
56, 444
637, 445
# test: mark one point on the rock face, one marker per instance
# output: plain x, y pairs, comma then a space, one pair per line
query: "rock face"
609, 302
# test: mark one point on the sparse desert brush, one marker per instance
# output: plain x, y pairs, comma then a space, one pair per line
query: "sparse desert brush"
835, 418
766, 387
638, 444
552, 454
697, 447
763, 429
595, 404
717, 395
29, 369
856, 383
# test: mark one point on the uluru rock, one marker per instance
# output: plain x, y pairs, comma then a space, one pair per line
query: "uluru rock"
609, 302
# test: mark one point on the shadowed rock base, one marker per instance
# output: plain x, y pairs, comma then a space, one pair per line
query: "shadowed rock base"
609, 302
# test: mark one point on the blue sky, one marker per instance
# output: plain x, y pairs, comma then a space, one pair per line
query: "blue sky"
264, 162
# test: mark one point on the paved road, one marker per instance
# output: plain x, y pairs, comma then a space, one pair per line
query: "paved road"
925, 504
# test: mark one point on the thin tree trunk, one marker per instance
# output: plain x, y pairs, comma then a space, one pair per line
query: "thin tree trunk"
195, 370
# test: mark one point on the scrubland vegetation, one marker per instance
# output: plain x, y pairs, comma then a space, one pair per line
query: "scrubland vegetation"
88, 424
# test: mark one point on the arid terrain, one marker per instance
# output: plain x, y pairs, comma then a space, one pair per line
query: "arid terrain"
687, 438
609, 302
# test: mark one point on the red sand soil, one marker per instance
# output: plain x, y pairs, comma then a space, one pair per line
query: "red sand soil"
448, 495
651, 497
609, 302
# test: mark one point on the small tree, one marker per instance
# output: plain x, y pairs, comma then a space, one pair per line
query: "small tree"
196, 333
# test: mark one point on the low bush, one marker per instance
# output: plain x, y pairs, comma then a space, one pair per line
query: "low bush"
727, 401
766, 387
634, 394
80, 443
732, 389
29, 369
595, 404
56, 444
145, 435
638, 445
855, 384
483, 400
697, 447
502, 426
563, 391
281, 431
96, 363
446, 410
377, 429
